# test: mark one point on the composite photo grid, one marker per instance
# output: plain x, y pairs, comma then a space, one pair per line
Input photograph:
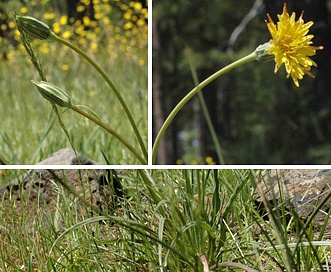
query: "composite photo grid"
165, 135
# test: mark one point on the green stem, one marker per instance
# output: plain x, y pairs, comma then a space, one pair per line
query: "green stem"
110, 130
112, 86
63, 127
180, 105
206, 112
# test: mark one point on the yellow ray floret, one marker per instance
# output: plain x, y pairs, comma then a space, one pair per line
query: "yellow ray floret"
292, 45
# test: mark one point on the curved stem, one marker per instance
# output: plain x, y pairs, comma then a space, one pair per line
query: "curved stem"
112, 86
171, 116
111, 131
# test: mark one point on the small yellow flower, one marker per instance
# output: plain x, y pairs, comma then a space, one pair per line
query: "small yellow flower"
179, 162
64, 20
86, 20
137, 6
66, 34
11, 25
98, 15
56, 28
209, 160
65, 67
91, 93
94, 47
23, 10
141, 62
86, 2
80, 8
291, 45
127, 25
106, 20
49, 15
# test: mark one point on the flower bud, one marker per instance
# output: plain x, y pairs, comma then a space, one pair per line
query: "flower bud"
53, 93
33, 27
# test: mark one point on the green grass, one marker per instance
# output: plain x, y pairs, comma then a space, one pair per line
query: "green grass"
29, 130
169, 220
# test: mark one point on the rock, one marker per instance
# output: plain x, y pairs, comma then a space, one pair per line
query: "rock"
67, 156
302, 189
42, 191
44, 180
42, 194
43, 187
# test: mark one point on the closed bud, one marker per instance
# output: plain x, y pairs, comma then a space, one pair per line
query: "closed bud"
33, 27
53, 93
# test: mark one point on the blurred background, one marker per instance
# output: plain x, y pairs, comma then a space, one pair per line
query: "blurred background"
259, 117
111, 32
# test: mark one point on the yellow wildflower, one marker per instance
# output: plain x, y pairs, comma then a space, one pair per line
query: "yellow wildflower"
86, 20
49, 15
98, 15
86, 2
209, 160
56, 28
11, 25
65, 67
23, 10
64, 20
106, 20
141, 61
94, 47
291, 45
140, 22
67, 34
91, 93
179, 162
127, 25
80, 8
137, 6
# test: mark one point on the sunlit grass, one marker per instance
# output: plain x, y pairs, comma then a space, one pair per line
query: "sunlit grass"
168, 220
28, 115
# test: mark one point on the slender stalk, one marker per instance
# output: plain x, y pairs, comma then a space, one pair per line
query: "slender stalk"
66, 132
180, 105
111, 85
110, 130
205, 111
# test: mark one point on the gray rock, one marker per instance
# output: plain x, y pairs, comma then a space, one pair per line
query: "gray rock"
40, 191
301, 189
67, 156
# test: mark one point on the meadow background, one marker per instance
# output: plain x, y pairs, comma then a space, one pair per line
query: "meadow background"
114, 34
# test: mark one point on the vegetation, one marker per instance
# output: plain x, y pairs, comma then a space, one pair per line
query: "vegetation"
116, 38
167, 220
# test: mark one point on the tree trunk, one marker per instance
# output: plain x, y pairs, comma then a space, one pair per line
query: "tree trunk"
158, 115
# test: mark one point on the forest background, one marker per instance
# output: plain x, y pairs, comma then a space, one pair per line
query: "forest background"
259, 117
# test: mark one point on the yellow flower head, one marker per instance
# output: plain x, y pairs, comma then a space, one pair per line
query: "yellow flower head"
291, 45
